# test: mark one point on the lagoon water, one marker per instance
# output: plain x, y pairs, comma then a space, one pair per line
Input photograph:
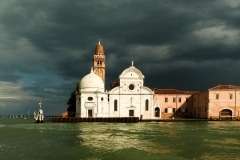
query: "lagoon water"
22, 139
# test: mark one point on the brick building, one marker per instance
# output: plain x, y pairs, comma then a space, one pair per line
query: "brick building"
219, 102
174, 103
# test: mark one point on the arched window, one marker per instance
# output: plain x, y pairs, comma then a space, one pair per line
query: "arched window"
115, 105
146, 104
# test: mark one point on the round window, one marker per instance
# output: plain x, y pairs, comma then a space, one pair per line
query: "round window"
131, 87
90, 98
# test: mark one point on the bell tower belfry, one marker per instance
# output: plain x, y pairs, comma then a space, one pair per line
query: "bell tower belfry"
99, 62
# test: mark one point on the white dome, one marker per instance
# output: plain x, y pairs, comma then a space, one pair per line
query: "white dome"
91, 82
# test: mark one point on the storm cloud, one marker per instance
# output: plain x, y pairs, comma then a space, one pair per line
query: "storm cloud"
46, 47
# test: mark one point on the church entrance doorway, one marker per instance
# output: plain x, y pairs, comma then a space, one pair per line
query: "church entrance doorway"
157, 112
90, 113
131, 113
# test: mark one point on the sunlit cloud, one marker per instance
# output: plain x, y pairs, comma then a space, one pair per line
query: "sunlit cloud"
9, 90
219, 34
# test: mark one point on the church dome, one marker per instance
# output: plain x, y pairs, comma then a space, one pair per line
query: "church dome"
99, 49
91, 82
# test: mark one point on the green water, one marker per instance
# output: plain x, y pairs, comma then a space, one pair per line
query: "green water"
22, 139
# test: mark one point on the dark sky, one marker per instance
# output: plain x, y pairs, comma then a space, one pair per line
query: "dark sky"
47, 46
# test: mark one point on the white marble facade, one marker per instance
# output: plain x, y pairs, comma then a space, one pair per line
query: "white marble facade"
129, 99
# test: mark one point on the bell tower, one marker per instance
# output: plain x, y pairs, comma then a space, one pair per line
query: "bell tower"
99, 62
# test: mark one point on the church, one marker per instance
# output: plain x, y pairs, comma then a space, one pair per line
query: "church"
127, 98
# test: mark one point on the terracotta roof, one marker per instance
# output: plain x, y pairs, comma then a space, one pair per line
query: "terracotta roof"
171, 91
221, 86
99, 49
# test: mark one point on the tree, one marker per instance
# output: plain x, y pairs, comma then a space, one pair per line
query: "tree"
72, 102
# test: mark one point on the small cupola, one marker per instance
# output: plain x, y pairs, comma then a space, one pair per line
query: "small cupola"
99, 49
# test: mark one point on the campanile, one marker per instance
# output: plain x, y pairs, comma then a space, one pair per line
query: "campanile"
99, 62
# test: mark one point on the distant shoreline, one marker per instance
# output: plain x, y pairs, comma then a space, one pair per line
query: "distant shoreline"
59, 119
131, 119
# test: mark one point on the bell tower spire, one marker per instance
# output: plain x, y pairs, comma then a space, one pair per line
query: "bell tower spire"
99, 61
